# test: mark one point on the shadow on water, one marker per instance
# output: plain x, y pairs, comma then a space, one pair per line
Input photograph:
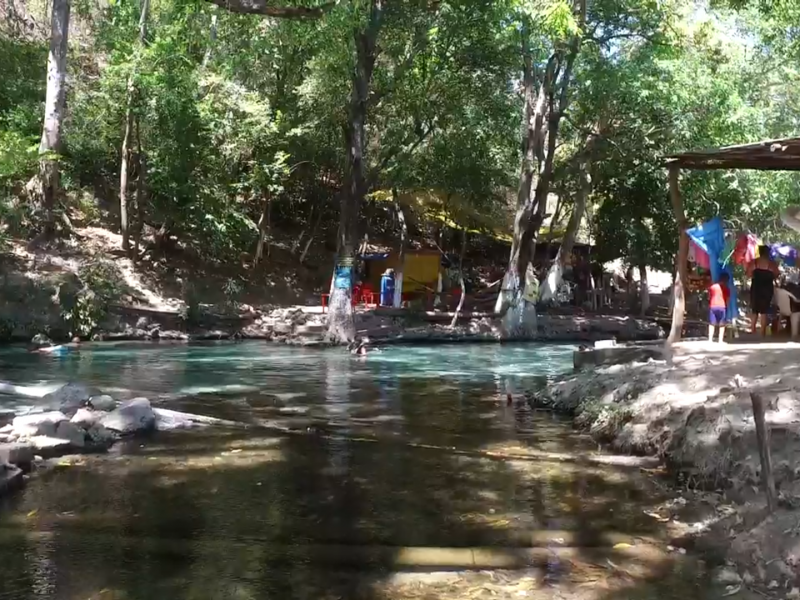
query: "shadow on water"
252, 514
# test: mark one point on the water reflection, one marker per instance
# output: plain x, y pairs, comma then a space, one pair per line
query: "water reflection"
255, 514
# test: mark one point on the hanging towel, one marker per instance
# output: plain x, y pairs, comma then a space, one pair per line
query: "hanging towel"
710, 238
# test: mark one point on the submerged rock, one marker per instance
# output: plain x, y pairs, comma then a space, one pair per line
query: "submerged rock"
70, 397
132, 416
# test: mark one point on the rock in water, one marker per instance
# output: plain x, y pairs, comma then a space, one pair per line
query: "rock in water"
70, 397
103, 402
39, 424
99, 436
72, 433
131, 417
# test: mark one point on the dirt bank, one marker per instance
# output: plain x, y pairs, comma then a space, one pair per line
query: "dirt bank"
688, 410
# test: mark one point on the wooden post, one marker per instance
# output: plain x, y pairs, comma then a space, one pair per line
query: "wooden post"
767, 479
680, 260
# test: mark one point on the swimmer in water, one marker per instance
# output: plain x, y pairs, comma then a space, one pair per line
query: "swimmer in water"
59, 349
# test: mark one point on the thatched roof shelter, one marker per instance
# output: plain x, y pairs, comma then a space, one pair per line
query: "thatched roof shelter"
768, 155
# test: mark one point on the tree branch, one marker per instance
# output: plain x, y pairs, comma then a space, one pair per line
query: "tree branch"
267, 8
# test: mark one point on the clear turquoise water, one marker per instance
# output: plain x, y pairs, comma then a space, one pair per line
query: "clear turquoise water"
242, 513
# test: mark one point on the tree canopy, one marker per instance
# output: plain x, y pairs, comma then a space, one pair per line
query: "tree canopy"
240, 109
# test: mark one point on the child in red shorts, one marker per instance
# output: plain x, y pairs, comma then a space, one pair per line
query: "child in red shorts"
718, 298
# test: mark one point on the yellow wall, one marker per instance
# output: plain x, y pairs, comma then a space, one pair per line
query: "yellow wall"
419, 269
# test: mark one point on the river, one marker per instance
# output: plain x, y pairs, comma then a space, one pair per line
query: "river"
392, 459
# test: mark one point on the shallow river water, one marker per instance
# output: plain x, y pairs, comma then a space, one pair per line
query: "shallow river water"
396, 462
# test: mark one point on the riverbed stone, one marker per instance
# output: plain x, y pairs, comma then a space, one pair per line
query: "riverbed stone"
131, 417
71, 432
70, 397
100, 436
38, 424
17, 453
103, 402
85, 418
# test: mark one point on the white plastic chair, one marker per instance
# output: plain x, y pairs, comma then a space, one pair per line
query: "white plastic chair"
783, 299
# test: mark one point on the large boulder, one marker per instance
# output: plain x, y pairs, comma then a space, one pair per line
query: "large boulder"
38, 423
131, 417
70, 397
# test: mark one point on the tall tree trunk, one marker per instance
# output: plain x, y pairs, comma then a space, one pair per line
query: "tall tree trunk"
141, 167
644, 290
461, 282
263, 229
341, 324
555, 275
542, 115
401, 253
124, 223
54, 106
679, 308
630, 289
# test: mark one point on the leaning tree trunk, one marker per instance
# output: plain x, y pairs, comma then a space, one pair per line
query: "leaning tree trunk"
54, 106
541, 120
401, 254
341, 324
124, 221
555, 275
681, 275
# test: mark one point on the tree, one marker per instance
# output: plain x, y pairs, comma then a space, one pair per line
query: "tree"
54, 108
545, 99
127, 137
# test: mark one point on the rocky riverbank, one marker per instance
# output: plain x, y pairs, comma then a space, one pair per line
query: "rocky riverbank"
689, 410
77, 420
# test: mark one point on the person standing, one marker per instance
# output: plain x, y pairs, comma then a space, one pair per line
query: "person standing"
387, 288
718, 298
763, 271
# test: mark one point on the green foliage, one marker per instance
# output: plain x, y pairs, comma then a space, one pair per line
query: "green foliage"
84, 309
234, 113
